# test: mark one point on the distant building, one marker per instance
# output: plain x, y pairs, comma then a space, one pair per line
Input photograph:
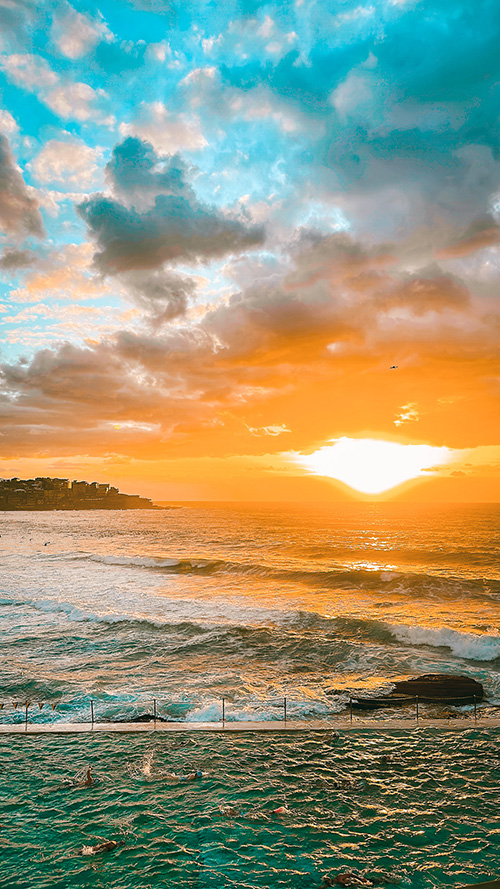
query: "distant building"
57, 493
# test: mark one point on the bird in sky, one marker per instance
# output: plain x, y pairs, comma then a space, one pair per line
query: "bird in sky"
393, 367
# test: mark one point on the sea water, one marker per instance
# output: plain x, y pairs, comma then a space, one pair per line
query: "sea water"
247, 602
251, 603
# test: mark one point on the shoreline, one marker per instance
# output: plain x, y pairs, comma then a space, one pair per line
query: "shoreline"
292, 725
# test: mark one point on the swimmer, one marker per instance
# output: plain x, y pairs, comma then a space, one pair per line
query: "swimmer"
105, 846
193, 776
281, 810
229, 811
348, 878
89, 781
256, 815
79, 781
343, 783
386, 759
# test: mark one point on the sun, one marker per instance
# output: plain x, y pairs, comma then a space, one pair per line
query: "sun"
372, 466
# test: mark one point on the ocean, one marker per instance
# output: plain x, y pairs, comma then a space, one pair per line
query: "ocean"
248, 602
251, 603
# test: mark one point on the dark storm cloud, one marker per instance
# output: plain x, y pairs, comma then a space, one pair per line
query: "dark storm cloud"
19, 212
175, 226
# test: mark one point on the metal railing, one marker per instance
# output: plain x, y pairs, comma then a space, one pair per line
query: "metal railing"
416, 700
173, 710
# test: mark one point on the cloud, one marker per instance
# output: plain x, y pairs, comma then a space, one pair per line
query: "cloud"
64, 274
175, 227
69, 100
7, 123
206, 90
11, 260
161, 295
19, 211
168, 133
277, 429
408, 413
267, 345
29, 71
74, 101
16, 16
74, 33
430, 291
314, 121
70, 161
159, 7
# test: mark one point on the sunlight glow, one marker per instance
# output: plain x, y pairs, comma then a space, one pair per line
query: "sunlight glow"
372, 466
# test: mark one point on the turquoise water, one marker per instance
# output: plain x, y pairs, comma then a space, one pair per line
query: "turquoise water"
421, 810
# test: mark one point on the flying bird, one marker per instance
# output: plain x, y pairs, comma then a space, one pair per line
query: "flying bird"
393, 367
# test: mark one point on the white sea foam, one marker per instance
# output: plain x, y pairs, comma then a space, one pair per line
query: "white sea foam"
147, 763
160, 611
471, 646
263, 711
136, 561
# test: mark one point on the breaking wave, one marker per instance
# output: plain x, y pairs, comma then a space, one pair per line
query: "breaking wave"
470, 646
414, 585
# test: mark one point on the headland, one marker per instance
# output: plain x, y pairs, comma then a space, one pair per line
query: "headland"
59, 493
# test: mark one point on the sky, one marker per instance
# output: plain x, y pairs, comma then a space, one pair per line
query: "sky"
250, 251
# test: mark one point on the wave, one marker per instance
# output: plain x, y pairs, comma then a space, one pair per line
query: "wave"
452, 557
469, 646
300, 635
414, 585
190, 621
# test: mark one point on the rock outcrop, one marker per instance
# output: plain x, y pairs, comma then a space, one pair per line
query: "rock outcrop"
441, 686
432, 688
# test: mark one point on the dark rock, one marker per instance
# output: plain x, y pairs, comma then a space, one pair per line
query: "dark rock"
441, 686
144, 717
432, 688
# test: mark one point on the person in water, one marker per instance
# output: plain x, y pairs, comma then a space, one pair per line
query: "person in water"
88, 781
191, 776
105, 846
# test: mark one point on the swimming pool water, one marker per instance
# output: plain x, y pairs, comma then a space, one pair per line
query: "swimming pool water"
419, 810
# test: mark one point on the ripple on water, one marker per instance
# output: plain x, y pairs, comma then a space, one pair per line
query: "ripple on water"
269, 811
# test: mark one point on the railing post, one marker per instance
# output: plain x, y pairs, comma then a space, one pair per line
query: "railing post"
416, 701
284, 708
91, 713
26, 716
154, 714
350, 707
223, 711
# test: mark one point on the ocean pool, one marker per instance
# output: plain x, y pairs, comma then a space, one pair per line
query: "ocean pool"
417, 809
